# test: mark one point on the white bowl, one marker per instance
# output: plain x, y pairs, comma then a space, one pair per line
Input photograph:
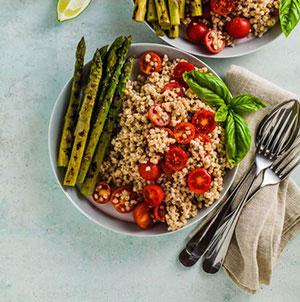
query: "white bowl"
110, 219
242, 47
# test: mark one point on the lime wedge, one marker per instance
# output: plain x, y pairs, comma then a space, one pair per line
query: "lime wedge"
69, 9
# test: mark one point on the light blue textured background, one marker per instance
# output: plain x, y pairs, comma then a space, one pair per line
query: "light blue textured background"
48, 250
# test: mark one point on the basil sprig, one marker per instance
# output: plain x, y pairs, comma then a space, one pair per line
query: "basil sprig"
228, 110
289, 14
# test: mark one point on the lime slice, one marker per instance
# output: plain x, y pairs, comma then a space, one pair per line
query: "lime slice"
69, 9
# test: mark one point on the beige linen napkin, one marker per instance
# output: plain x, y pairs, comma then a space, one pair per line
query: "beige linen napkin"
270, 220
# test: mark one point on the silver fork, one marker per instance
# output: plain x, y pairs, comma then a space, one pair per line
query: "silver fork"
200, 239
269, 148
278, 172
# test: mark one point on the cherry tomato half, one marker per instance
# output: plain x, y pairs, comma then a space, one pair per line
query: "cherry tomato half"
149, 171
184, 132
142, 216
158, 116
122, 200
222, 7
167, 170
180, 69
102, 193
159, 213
199, 181
204, 137
153, 195
238, 28
204, 121
196, 31
170, 132
213, 42
174, 86
150, 62
176, 158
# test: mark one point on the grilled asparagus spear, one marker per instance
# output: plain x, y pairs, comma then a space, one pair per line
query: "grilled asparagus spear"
100, 121
103, 52
90, 181
112, 58
182, 9
83, 123
67, 136
162, 14
158, 30
196, 8
173, 33
174, 11
140, 8
151, 11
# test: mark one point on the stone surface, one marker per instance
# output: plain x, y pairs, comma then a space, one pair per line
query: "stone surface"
48, 250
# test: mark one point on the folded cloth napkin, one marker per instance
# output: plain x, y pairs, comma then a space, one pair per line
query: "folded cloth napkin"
270, 220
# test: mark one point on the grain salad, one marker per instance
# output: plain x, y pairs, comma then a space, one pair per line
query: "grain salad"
261, 14
223, 22
213, 25
155, 107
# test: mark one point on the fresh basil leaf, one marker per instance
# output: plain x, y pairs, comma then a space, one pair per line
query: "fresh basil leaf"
230, 139
204, 93
212, 83
238, 138
246, 103
243, 137
221, 114
289, 14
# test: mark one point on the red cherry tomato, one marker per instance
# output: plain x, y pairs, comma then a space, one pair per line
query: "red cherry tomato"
204, 137
170, 132
122, 198
159, 213
238, 28
222, 7
213, 42
174, 86
149, 171
176, 158
167, 170
102, 193
199, 181
158, 116
180, 69
150, 62
153, 195
184, 132
142, 216
196, 31
204, 121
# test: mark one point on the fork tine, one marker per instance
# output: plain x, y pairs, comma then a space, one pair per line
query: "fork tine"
291, 169
277, 123
266, 120
284, 161
281, 125
268, 129
286, 131
282, 147
280, 169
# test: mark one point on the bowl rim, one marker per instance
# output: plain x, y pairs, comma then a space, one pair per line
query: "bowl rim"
125, 232
219, 55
